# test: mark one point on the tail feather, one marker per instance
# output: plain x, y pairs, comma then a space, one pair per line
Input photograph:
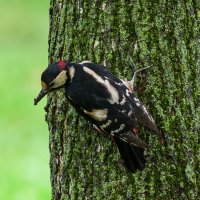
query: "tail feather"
132, 156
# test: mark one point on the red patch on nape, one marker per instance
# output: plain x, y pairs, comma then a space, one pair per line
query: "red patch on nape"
62, 64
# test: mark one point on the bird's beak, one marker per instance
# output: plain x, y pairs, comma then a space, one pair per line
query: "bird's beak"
42, 93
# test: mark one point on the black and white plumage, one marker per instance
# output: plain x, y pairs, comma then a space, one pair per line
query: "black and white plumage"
105, 101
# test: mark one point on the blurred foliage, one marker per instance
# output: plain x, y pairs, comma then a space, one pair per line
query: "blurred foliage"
24, 154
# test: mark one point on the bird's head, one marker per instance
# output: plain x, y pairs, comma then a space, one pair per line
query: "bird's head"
54, 77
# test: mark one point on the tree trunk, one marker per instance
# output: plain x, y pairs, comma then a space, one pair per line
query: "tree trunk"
161, 34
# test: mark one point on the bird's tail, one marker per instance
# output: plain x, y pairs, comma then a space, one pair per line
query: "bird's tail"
132, 156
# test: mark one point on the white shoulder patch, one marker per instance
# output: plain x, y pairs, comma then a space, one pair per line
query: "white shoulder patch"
110, 88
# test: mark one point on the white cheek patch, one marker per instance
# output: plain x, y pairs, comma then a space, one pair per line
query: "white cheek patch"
112, 90
60, 79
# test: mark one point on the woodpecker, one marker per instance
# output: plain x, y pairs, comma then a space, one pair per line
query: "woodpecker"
105, 101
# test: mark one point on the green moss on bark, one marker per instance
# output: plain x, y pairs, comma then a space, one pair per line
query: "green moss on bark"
162, 34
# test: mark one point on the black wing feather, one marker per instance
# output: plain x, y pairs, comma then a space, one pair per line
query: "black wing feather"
89, 94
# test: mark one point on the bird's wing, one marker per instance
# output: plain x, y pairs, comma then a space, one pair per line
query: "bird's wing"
109, 118
105, 101
128, 101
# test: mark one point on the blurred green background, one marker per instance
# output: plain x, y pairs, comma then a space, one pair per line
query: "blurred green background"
24, 153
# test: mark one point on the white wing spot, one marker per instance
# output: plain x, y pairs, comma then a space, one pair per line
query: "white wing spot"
137, 101
149, 116
120, 84
108, 123
123, 101
137, 104
130, 113
145, 110
127, 93
97, 114
122, 126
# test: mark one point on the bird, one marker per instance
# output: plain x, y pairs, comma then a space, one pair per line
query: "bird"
105, 101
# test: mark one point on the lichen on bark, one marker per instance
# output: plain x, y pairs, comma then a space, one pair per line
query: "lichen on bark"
161, 34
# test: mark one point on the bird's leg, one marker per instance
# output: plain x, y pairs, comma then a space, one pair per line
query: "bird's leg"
130, 84
135, 73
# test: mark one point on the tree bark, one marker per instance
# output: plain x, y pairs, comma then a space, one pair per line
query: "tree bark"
161, 34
